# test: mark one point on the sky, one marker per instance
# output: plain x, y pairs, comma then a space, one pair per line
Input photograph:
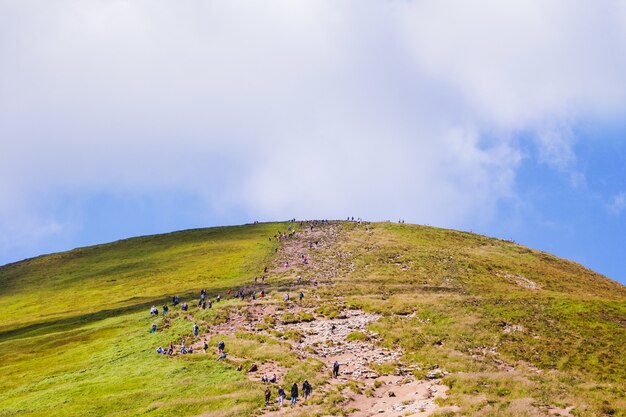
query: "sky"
122, 118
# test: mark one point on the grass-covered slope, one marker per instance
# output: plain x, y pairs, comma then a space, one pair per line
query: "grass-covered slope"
520, 332
73, 325
509, 323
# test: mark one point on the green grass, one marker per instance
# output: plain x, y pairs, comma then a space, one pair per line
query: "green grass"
74, 332
69, 288
75, 340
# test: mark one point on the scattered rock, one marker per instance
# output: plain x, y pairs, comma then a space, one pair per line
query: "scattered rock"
435, 374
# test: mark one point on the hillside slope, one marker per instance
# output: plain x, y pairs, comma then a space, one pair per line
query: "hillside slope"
469, 324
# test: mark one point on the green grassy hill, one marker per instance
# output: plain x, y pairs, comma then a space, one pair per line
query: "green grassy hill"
517, 331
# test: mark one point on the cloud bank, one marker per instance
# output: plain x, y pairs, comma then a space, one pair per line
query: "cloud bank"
382, 109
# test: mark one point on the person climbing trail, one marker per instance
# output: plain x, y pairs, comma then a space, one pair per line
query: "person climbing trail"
154, 327
301, 295
165, 309
307, 389
281, 396
336, 369
268, 395
195, 329
221, 345
294, 393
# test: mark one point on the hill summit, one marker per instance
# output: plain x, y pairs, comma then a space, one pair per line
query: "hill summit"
378, 318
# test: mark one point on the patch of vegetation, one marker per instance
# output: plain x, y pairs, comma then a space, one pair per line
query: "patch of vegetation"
291, 318
357, 336
330, 311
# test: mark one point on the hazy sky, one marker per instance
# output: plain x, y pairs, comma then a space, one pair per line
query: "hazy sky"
120, 118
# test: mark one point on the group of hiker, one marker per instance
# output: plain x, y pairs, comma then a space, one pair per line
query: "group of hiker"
307, 390
204, 302
252, 294
154, 311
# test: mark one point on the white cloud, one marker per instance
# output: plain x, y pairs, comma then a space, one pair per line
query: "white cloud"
618, 203
380, 109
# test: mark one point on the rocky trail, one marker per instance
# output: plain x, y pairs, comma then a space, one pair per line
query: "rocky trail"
344, 338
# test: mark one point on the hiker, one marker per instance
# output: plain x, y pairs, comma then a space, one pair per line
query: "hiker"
184, 306
221, 345
299, 279
301, 295
262, 293
175, 300
218, 298
223, 356
281, 396
253, 368
210, 304
332, 329
273, 379
239, 367
287, 297
190, 350
336, 369
307, 389
165, 309
268, 395
206, 346
154, 311
294, 393
153, 328
170, 351
195, 329
160, 350
204, 305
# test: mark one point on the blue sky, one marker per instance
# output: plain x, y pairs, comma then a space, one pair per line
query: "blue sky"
120, 118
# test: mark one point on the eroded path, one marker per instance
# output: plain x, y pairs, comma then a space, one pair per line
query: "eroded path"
372, 379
